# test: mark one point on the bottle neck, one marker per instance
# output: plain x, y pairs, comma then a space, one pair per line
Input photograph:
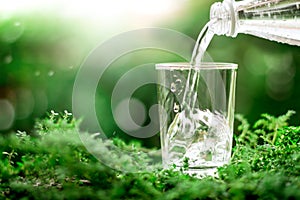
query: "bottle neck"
223, 17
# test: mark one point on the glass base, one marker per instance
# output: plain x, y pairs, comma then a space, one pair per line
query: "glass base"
202, 172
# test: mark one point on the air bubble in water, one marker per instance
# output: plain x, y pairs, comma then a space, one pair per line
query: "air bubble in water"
176, 107
173, 87
178, 81
179, 85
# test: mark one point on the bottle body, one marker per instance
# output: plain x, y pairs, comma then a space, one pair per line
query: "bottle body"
277, 20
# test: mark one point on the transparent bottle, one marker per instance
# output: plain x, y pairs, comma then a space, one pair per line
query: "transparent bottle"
277, 20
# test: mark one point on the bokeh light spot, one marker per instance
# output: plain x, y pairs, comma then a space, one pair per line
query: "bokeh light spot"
51, 73
11, 31
134, 119
24, 103
7, 114
8, 59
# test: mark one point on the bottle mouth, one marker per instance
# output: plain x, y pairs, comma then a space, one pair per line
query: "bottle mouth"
224, 18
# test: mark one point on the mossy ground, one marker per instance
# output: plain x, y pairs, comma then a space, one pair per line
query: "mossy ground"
53, 163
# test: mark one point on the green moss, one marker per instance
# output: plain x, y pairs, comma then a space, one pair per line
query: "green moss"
54, 164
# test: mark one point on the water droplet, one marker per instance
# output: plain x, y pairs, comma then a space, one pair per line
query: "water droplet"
176, 107
173, 87
51, 73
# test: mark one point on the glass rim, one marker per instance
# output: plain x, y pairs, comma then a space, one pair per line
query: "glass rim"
203, 65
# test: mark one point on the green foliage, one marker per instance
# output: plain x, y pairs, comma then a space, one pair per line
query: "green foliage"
53, 163
269, 146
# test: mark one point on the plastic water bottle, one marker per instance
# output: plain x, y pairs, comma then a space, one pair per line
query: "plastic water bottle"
277, 20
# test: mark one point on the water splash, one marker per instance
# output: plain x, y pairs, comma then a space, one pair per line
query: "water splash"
189, 123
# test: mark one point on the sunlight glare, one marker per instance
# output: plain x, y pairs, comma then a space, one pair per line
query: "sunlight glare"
94, 8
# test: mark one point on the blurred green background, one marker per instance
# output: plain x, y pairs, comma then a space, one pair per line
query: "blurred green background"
43, 44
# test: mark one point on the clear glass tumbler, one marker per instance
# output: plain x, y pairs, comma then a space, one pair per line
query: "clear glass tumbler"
196, 138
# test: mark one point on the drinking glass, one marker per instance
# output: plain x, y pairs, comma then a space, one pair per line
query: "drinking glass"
196, 115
